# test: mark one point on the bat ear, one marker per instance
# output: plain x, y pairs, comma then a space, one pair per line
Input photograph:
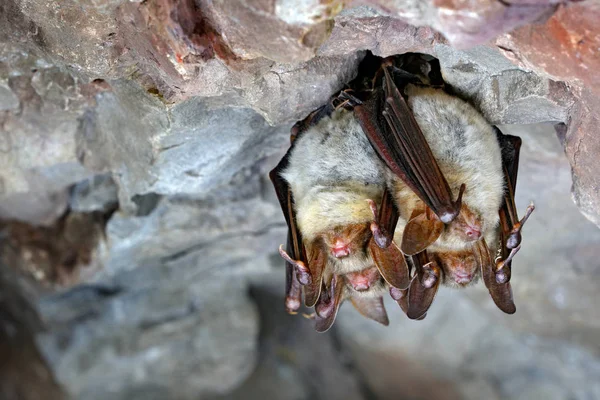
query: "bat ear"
420, 232
501, 292
391, 264
329, 304
317, 260
422, 290
371, 308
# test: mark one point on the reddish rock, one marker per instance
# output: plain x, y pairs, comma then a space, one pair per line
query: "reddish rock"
566, 47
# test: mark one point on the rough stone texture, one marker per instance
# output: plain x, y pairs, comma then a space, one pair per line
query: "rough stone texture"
174, 111
566, 48
151, 341
23, 371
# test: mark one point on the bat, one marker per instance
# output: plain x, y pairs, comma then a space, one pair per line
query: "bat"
436, 178
329, 185
437, 148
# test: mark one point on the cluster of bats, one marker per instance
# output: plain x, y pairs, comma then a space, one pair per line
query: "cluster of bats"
394, 187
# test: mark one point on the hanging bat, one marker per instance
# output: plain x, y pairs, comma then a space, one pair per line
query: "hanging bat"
435, 152
437, 148
329, 185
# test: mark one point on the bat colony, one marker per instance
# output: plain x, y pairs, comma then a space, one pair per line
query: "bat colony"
395, 160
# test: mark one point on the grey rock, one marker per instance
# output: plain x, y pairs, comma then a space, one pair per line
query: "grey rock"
99, 193
295, 362
160, 341
8, 100
503, 93
118, 134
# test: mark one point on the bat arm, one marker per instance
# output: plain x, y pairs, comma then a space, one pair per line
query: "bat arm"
447, 215
514, 237
302, 271
382, 238
431, 274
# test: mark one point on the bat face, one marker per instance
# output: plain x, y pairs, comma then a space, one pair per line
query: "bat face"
460, 268
347, 240
467, 226
366, 281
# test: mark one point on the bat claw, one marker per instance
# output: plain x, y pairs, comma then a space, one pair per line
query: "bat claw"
309, 316
302, 272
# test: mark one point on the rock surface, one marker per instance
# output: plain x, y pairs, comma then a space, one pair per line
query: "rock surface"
175, 110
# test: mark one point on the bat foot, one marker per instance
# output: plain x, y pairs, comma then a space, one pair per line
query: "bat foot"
309, 316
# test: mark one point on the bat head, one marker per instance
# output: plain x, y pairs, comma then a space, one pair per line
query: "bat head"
365, 282
460, 268
347, 240
467, 226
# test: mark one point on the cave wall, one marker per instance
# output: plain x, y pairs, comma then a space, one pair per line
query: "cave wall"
148, 127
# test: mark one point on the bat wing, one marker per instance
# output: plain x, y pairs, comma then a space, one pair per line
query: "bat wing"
501, 292
294, 246
423, 287
372, 308
394, 133
391, 264
387, 219
329, 304
509, 219
420, 232
316, 264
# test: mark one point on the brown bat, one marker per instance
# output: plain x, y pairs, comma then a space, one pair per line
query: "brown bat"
329, 184
438, 147
449, 181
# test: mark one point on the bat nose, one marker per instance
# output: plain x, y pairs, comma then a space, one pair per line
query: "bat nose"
360, 286
472, 233
340, 249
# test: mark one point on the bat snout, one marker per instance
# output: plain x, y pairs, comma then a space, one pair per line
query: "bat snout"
472, 233
363, 280
340, 249
462, 277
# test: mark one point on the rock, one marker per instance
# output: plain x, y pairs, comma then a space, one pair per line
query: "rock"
295, 361
128, 342
24, 373
98, 193
282, 31
565, 48
187, 104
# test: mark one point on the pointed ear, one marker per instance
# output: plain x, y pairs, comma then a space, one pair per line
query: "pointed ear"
422, 290
501, 292
391, 264
371, 308
329, 304
317, 260
420, 232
